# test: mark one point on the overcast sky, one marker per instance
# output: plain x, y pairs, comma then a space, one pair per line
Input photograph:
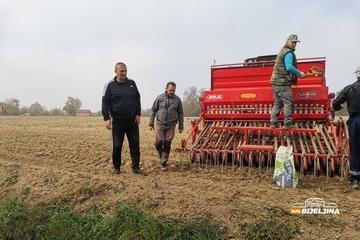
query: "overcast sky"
53, 49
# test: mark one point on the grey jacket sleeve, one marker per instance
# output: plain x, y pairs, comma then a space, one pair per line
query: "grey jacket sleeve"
154, 110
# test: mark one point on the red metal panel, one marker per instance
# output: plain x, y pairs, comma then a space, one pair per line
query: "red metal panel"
258, 74
243, 91
265, 129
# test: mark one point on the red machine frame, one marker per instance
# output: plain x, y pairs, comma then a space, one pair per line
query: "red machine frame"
240, 103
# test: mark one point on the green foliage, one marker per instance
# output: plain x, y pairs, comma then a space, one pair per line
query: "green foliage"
12, 109
36, 109
17, 222
56, 112
130, 223
152, 205
24, 110
191, 103
203, 230
58, 222
45, 112
72, 105
12, 179
12, 106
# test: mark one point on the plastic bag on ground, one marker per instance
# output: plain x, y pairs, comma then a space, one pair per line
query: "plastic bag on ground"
285, 172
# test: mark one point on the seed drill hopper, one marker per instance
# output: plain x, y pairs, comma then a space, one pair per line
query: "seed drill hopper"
233, 128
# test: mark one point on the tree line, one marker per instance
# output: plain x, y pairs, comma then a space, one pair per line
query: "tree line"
191, 106
12, 108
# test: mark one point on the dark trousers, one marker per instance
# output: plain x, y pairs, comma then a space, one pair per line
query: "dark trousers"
354, 142
131, 129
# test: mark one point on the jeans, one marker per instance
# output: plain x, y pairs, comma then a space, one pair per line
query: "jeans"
282, 97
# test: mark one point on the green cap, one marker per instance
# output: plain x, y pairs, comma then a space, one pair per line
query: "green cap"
293, 38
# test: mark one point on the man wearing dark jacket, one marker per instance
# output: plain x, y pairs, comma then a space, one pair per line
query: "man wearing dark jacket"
351, 95
168, 110
121, 109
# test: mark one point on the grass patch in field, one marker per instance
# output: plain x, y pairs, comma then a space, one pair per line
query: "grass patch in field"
12, 179
121, 188
269, 229
202, 230
152, 205
18, 221
276, 226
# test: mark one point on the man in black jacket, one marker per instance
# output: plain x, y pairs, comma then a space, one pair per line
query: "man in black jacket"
121, 109
351, 95
168, 110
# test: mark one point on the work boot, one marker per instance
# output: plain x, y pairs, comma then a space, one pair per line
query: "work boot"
139, 171
287, 126
159, 153
163, 167
164, 160
164, 157
116, 171
354, 184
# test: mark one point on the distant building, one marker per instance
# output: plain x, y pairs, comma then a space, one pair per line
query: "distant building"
2, 109
83, 113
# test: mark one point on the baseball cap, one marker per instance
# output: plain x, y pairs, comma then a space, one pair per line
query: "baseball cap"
293, 38
357, 72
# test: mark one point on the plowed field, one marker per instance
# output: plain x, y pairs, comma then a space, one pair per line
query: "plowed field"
51, 160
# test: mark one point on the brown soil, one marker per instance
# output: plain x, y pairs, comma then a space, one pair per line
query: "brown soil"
51, 160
